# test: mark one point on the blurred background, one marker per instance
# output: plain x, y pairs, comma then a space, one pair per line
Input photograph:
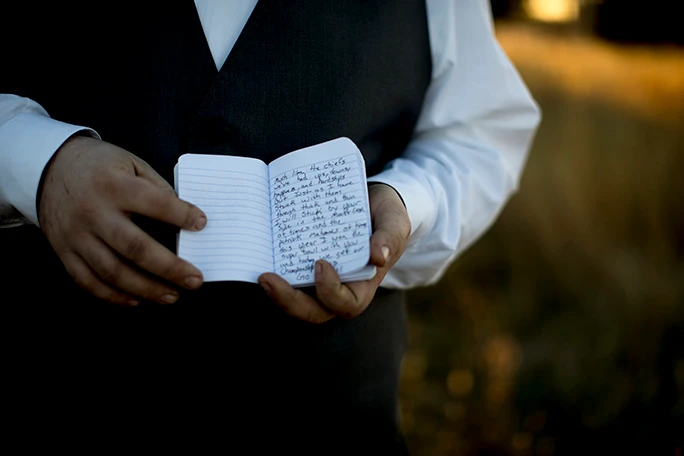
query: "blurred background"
562, 330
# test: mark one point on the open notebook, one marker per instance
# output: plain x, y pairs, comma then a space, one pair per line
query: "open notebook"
307, 205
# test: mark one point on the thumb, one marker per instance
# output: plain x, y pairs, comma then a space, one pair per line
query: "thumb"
391, 225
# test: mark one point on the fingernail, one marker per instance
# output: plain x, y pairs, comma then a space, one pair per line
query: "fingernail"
319, 268
133, 302
201, 223
385, 252
168, 299
193, 282
266, 286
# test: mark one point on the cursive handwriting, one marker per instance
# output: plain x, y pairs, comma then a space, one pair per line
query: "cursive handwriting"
320, 211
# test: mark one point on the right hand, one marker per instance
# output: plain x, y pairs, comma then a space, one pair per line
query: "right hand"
90, 191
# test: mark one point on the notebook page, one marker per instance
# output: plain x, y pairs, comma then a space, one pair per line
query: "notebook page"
320, 210
236, 243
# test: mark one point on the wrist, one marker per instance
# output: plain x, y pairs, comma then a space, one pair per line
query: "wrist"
71, 141
374, 184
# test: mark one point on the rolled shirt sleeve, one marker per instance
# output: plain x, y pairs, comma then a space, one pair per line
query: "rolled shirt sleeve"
28, 140
470, 146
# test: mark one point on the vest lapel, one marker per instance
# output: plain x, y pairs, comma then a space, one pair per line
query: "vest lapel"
203, 49
209, 126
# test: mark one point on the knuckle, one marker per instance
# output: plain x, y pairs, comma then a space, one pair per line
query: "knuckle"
87, 208
324, 294
397, 246
135, 247
84, 281
90, 284
140, 193
123, 188
110, 273
292, 295
354, 308
191, 213
106, 182
316, 318
112, 296
159, 198
153, 291
350, 305
405, 232
342, 308
348, 314
174, 270
395, 242
283, 300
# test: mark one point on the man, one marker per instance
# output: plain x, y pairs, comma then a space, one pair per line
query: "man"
422, 88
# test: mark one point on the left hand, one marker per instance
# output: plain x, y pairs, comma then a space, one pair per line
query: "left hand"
391, 230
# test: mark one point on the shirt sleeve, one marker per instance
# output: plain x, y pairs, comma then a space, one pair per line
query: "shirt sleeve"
28, 139
470, 146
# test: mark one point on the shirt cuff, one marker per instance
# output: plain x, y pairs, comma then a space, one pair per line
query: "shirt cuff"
419, 204
27, 143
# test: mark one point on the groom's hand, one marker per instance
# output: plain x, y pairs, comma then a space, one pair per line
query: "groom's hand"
89, 192
391, 230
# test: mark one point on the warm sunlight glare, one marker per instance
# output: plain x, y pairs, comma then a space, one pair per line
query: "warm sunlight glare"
552, 10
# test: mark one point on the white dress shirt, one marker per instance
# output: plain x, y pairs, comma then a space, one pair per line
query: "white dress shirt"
461, 166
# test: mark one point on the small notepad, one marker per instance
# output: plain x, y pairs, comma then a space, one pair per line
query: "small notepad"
307, 205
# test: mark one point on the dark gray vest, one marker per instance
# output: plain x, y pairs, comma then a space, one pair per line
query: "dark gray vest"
302, 72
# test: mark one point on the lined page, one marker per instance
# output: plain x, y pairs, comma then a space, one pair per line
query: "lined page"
236, 243
320, 211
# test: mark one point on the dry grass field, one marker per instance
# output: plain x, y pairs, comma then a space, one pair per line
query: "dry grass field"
562, 329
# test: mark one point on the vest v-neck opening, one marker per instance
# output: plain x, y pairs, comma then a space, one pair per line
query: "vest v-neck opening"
222, 23
242, 40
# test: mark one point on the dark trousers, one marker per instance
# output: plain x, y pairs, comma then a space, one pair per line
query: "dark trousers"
222, 368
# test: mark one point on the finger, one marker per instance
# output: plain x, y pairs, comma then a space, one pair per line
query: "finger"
126, 238
114, 271
85, 278
380, 249
142, 197
391, 229
337, 297
294, 302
